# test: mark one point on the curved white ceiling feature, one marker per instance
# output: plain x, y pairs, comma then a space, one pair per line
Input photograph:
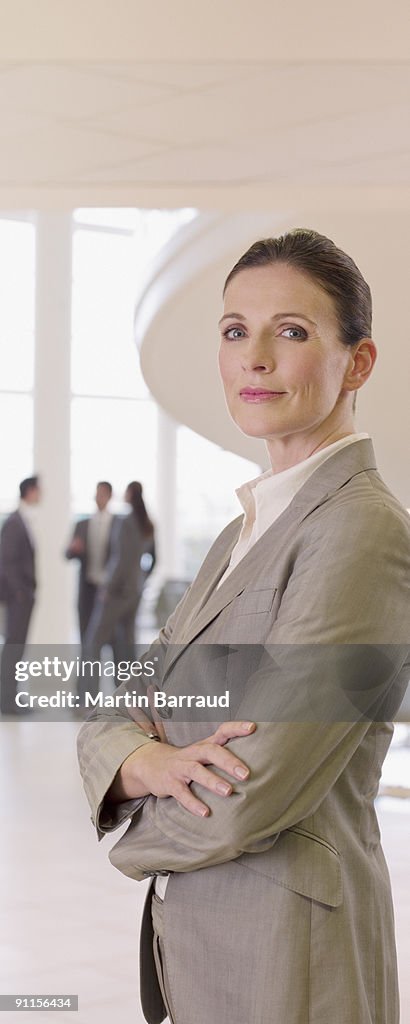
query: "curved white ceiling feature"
176, 324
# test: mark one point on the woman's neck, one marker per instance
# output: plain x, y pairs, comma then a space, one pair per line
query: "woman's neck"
285, 452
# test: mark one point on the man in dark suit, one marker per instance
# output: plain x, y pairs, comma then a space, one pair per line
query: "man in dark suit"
17, 586
91, 543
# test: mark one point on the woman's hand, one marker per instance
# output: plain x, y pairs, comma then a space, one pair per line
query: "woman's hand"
163, 770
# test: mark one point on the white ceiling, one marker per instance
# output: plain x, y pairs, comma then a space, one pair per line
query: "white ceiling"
151, 132
225, 104
225, 30
298, 109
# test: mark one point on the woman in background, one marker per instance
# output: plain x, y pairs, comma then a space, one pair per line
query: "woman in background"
113, 620
136, 560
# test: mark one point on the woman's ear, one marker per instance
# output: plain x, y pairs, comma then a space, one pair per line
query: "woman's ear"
363, 358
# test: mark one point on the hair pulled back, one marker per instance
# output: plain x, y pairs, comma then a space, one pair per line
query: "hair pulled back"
319, 258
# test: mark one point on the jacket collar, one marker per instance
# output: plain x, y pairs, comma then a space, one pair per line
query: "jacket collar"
205, 602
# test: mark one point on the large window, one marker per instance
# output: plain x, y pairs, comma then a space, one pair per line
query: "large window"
114, 418
113, 439
17, 268
113, 415
114, 432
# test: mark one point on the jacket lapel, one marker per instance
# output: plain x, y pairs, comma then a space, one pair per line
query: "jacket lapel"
209, 574
208, 600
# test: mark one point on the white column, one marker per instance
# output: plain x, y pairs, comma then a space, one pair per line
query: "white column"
53, 612
167, 495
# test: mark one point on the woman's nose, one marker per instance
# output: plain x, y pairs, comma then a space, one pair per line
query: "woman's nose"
259, 355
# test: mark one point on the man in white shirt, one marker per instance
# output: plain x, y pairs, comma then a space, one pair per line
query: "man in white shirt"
91, 544
17, 585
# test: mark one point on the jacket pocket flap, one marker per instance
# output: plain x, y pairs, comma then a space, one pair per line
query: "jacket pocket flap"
302, 862
252, 601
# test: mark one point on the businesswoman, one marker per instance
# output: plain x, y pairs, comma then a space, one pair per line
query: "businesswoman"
113, 621
272, 899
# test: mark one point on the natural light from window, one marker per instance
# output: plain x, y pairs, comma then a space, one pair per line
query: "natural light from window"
17, 267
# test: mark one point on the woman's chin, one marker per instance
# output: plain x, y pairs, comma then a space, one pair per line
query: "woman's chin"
258, 427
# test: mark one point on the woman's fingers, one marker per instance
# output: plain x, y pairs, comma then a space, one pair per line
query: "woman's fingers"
210, 781
206, 778
229, 730
185, 797
208, 752
226, 731
164, 770
212, 751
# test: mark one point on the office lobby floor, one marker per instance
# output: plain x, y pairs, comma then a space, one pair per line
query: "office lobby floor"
69, 921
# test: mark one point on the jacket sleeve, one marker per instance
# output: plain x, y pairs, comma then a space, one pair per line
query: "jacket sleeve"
10, 558
334, 662
106, 740
78, 533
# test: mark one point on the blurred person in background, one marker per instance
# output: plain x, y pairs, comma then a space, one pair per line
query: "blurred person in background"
91, 544
17, 585
113, 618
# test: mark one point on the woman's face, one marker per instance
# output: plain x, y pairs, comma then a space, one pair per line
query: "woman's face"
282, 363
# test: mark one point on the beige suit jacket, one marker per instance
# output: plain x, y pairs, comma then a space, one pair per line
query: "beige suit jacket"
278, 907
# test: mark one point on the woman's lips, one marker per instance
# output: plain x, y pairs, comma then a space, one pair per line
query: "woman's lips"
260, 395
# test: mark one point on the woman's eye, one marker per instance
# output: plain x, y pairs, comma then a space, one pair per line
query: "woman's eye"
296, 333
233, 333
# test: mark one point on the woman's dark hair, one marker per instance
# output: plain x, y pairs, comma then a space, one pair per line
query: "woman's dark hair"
134, 496
319, 258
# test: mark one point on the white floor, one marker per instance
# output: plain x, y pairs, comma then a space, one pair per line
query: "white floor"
69, 921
